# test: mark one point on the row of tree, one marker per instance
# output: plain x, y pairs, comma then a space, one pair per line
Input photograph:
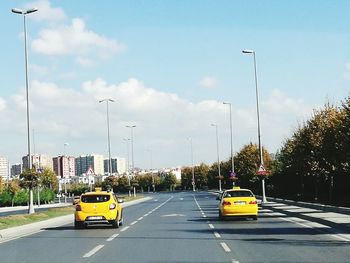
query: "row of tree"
246, 162
15, 192
314, 164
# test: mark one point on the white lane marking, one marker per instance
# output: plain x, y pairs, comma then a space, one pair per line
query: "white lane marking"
145, 215
181, 198
93, 251
133, 223
336, 236
211, 226
112, 237
217, 235
225, 247
140, 218
235, 261
156, 200
124, 229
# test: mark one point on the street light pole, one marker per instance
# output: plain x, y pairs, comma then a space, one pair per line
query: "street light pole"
217, 153
232, 161
128, 165
108, 137
131, 127
193, 181
24, 13
258, 117
63, 174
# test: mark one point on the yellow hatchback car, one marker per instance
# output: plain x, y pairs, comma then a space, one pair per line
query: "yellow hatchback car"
238, 202
98, 208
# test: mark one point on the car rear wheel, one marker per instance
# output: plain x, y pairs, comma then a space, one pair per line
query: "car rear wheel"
220, 216
115, 223
121, 219
78, 224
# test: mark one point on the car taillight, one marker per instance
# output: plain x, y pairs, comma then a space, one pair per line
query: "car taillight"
77, 208
252, 202
112, 206
226, 203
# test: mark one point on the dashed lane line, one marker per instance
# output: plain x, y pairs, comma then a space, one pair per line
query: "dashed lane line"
93, 251
133, 223
225, 247
217, 235
112, 237
139, 219
124, 229
211, 226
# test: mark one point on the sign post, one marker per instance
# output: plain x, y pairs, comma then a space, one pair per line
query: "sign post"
263, 173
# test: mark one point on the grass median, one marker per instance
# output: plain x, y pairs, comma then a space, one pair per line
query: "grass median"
23, 219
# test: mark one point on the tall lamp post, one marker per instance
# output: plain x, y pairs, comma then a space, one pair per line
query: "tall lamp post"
24, 13
247, 51
128, 164
193, 181
63, 174
108, 137
217, 153
232, 161
131, 127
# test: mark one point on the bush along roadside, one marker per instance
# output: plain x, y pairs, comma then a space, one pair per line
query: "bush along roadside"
7, 198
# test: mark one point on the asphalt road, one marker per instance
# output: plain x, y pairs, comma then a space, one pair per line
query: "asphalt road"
182, 227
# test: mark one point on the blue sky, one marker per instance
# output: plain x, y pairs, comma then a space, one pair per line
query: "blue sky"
169, 65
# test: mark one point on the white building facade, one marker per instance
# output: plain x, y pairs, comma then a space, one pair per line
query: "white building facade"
4, 168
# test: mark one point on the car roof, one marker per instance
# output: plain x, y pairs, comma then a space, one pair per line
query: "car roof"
98, 193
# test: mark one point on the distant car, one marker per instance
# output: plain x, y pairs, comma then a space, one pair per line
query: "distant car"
76, 199
238, 202
98, 207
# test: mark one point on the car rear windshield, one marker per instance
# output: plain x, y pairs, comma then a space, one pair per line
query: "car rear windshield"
240, 193
95, 198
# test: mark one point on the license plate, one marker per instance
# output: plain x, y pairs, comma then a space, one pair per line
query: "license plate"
95, 217
239, 203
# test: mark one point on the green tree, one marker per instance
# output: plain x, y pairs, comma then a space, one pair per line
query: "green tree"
110, 183
13, 189
1, 185
247, 162
48, 179
29, 179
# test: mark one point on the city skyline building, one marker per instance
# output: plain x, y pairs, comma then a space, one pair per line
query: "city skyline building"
39, 161
4, 168
95, 161
64, 166
118, 165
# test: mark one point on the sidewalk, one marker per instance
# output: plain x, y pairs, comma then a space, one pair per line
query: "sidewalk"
329, 222
29, 229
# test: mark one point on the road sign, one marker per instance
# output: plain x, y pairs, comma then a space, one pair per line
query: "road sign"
262, 170
233, 175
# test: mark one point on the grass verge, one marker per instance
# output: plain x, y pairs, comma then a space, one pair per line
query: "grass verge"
22, 219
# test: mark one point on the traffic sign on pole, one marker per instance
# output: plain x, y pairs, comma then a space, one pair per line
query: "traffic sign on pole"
262, 171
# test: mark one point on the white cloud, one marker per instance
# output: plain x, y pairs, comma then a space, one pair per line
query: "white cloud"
164, 121
39, 70
347, 71
208, 82
84, 62
46, 12
75, 39
2, 104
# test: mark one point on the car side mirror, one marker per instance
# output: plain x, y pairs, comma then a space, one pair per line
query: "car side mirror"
120, 201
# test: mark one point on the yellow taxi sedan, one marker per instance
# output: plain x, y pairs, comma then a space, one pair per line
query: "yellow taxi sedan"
238, 202
98, 207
